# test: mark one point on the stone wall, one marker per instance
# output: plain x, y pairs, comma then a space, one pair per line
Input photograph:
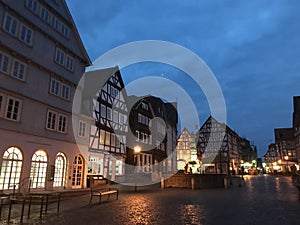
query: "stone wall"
195, 181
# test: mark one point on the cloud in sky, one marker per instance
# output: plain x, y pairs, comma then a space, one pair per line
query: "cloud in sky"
253, 48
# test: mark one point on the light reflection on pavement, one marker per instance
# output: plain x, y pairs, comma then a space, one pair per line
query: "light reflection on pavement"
261, 200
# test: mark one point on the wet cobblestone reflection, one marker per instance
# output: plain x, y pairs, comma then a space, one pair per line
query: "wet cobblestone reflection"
263, 200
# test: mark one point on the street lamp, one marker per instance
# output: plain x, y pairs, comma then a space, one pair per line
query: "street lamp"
286, 160
136, 150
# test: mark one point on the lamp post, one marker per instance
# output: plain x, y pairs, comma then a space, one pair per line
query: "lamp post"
136, 151
286, 161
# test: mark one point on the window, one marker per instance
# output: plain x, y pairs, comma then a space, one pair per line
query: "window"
32, 5
10, 25
77, 171
65, 92
81, 128
69, 62
54, 87
1, 101
107, 138
18, 69
62, 123
13, 109
102, 137
59, 56
144, 105
137, 135
113, 140
4, 63
65, 30
26, 35
115, 116
38, 169
55, 23
60, 170
44, 13
109, 113
103, 111
51, 120
114, 91
11, 168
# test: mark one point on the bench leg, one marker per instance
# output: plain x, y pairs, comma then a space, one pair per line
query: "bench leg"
91, 199
117, 195
100, 198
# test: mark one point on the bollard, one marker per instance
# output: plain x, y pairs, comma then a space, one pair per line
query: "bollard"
193, 183
42, 204
162, 183
58, 203
22, 211
225, 183
29, 207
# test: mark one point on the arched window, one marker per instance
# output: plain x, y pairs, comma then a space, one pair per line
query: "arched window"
77, 172
11, 168
60, 170
38, 169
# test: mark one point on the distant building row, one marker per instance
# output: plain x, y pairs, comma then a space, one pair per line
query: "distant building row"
215, 148
284, 154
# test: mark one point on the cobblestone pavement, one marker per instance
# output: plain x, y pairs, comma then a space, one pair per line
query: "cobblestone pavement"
261, 200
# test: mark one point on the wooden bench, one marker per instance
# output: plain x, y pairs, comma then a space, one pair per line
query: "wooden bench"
101, 190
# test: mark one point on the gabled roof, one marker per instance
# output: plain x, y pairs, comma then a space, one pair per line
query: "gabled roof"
84, 55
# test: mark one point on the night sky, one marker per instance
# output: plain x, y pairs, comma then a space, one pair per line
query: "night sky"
252, 48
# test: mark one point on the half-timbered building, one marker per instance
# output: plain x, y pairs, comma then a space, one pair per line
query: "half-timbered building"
107, 150
218, 147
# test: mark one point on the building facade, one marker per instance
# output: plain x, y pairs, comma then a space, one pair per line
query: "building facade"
187, 152
296, 126
42, 59
218, 148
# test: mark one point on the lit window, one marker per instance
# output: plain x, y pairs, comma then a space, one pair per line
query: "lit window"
18, 69
26, 34
107, 138
10, 25
11, 168
13, 109
59, 56
65, 92
4, 63
102, 137
81, 128
51, 120
54, 87
77, 171
38, 169
62, 123
60, 170
69, 62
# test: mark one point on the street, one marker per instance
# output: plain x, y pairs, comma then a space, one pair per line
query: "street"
261, 200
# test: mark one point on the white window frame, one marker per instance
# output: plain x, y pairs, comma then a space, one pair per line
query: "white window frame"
2, 57
82, 125
108, 113
9, 29
62, 128
44, 13
19, 109
27, 39
59, 56
69, 62
137, 135
55, 23
53, 121
21, 72
30, 5
55, 87
65, 91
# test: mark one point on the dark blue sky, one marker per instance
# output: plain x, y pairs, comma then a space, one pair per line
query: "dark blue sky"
252, 47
